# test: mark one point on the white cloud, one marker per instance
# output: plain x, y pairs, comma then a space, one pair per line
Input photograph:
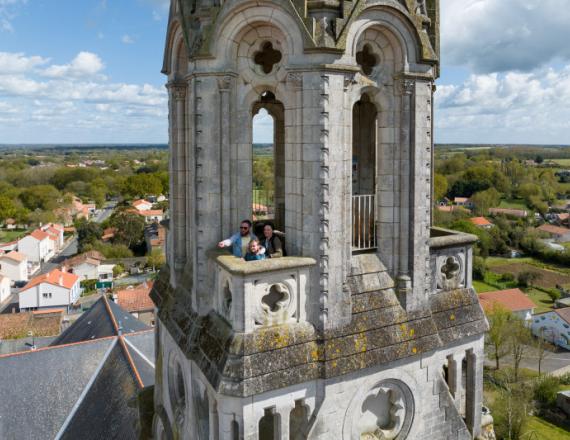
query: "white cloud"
8, 13
75, 103
84, 64
507, 107
17, 62
127, 39
502, 35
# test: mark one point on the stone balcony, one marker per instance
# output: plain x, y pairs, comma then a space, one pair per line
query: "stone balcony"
255, 294
451, 259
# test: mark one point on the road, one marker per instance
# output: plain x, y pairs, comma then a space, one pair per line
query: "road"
552, 362
104, 213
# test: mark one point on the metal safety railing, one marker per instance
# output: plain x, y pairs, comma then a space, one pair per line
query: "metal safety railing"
363, 223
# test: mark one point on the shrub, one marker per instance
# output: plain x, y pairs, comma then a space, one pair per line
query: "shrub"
118, 270
479, 268
545, 389
507, 278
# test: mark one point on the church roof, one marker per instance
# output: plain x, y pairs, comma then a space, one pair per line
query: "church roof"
83, 384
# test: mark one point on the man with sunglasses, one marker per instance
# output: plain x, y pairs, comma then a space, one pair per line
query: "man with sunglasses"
240, 240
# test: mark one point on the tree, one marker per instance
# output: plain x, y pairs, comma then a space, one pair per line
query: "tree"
44, 197
440, 186
155, 259
539, 159
543, 348
511, 410
130, 227
141, 185
496, 338
519, 338
118, 270
87, 233
8, 208
479, 268
484, 200
526, 278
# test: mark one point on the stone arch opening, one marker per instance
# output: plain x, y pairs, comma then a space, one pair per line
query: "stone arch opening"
269, 425
268, 160
177, 390
364, 141
234, 430
201, 404
299, 421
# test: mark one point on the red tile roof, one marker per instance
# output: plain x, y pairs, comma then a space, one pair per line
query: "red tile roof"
511, 299
555, 230
136, 299
15, 255
480, 221
40, 235
151, 212
461, 199
55, 277
141, 202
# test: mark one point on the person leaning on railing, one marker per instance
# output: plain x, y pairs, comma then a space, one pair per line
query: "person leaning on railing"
272, 242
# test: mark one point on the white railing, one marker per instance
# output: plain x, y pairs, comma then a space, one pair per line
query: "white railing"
363, 222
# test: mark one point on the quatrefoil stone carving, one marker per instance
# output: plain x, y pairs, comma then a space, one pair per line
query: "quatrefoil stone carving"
451, 268
267, 57
367, 59
276, 298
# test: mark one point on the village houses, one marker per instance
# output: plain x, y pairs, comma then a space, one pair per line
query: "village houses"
14, 265
37, 246
50, 290
513, 300
4, 288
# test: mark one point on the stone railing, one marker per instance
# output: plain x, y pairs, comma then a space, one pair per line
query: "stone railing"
256, 294
451, 259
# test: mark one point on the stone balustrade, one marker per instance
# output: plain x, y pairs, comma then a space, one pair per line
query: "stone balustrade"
451, 259
254, 294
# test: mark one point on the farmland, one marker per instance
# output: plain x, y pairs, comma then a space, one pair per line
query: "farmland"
547, 279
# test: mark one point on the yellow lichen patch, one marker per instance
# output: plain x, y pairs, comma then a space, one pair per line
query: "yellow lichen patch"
412, 331
414, 350
452, 317
360, 343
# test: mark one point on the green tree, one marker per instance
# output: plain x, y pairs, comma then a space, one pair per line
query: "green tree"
543, 348
527, 278
141, 185
484, 200
440, 186
511, 410
87, 233
130, 228
497, 336
155, 259
8, 208
44, 197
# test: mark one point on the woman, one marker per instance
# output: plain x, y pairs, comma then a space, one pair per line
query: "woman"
271, 242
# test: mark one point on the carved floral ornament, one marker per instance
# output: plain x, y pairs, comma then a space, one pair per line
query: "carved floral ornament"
267, 57
274, 302
384, 412
450, 273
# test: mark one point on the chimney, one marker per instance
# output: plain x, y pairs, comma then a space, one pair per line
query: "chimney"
61, 279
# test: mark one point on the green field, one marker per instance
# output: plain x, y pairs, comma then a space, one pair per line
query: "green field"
562, 162
513, 204
481, 287
7, 236
545, 430
541, 299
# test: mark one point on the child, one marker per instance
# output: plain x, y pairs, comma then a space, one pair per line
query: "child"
254, 251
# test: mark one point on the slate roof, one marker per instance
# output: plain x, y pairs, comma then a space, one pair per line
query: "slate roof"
564, 314
78, 390
103, 319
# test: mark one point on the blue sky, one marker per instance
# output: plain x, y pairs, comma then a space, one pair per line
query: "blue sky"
85, 71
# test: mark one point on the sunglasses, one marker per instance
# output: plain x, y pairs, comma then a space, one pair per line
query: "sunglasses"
244, 227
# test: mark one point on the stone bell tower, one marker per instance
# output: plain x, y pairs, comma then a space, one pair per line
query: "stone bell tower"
370, 328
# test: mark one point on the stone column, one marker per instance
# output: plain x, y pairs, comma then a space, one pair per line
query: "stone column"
224, 84
283, 416
473, 393
178, 199
214, 422
454, 377
404, 282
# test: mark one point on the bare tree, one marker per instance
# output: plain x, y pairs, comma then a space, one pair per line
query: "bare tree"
543, 349
519, 339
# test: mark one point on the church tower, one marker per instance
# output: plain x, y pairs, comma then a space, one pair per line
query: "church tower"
369, 328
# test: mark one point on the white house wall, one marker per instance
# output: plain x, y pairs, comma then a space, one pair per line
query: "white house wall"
16, 271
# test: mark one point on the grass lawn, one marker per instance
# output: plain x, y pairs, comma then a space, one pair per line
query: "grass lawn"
562, 162
499, 261
7, 236
513, 204
541, 299
545, 430
481, 287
